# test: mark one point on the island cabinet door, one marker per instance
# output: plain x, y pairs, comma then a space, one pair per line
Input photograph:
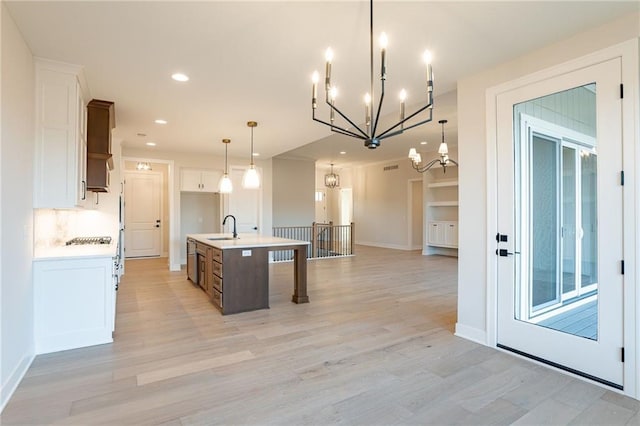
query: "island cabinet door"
246, 280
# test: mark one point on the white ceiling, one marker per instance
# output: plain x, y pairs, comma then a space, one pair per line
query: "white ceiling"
253, 61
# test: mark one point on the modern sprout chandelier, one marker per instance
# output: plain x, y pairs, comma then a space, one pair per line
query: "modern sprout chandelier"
371, 135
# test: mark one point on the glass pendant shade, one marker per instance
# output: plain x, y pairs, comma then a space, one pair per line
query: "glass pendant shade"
225, 186
251, 178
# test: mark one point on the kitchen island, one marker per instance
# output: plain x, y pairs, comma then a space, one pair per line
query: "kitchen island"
234, 272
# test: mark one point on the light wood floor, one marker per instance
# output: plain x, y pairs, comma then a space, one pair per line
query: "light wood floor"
374, 346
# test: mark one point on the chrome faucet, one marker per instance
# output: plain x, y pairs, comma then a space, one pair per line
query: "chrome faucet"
224, 221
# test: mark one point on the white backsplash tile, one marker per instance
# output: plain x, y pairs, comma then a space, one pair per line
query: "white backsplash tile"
54, 227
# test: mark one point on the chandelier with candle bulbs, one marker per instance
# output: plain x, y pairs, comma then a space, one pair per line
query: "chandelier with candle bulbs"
371, 134
443, 160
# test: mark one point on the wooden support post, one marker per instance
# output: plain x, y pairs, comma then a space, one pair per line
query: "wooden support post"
314, 239
352, 236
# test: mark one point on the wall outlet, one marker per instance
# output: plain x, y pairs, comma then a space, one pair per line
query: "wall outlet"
246, 253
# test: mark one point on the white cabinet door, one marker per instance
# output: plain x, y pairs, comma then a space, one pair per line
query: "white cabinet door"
59, 163
199, 180
190, 180
73, 303
209, 180
81, 162
451, 234
436, 233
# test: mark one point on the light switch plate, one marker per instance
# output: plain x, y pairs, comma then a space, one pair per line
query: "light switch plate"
246, 253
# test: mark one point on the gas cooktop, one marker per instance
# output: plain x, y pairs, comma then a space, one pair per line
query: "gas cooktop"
89, 240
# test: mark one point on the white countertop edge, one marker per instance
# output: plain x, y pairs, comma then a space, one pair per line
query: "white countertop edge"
245, 241
75, 252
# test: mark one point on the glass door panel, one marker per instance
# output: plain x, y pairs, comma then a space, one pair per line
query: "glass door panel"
558, 207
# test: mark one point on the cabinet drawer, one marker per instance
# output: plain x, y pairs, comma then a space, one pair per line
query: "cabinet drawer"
217, 283
216, 297
217, 269
217, 255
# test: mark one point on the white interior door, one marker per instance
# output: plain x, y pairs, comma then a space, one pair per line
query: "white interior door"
243, 204
321, 205
142, 214
560, 283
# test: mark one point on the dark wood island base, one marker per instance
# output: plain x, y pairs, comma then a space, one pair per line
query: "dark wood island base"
235, 273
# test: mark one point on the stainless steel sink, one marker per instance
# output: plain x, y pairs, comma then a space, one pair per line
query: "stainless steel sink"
221, 238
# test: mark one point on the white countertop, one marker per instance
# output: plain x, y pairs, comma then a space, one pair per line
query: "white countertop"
244, 241
75, 251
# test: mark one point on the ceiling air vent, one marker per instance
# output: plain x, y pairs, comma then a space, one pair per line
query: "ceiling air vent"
387, 168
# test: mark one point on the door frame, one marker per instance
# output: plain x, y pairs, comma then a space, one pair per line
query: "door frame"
628, 53
174, 211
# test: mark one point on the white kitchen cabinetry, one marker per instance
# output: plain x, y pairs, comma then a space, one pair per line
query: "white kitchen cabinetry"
442, 211
73, 303
443, 234
61, 138
199, 180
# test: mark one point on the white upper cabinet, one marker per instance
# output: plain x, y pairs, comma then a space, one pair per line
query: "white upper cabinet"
199, 180
60, 151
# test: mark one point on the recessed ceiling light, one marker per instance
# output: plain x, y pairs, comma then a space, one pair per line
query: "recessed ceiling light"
256, 154
151, 144
160, 121
423, 143
180, 77
343, 152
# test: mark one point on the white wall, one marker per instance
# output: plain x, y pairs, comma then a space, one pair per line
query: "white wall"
16, 193
293, 192
472, 145
380, 204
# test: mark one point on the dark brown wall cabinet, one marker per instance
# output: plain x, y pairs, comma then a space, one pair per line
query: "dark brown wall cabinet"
100, 120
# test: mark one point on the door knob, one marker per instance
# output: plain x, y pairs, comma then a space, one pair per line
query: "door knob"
505, 252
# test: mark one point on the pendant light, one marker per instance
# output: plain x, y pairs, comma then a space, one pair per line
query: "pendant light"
443, 151
225, 186
331, 180
251, 178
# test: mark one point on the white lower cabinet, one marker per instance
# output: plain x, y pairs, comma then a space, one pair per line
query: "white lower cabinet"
73, 303
443, 233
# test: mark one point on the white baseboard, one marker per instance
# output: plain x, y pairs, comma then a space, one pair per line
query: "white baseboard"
470, 333
174, 267
10, 386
